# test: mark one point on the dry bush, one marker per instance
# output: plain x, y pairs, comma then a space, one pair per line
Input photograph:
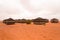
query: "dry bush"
9, 21
54, 20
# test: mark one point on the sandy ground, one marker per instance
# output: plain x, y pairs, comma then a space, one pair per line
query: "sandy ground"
30, 32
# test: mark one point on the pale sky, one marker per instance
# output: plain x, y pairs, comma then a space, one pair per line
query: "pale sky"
29, 9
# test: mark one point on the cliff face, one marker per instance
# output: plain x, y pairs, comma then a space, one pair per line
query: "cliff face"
30, 32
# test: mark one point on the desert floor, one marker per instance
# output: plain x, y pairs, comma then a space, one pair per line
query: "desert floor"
30, 32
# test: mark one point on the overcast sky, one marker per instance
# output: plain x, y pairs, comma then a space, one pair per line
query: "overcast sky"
29, 9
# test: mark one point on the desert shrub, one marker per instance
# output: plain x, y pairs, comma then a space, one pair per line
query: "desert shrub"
9, 21
18, 20
28, 21
54, 20
37, 19
40, 21
45, 20
23, 21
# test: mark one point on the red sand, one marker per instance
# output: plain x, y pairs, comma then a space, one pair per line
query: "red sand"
30, 32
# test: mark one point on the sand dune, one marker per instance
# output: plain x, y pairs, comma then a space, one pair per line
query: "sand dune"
30, 32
